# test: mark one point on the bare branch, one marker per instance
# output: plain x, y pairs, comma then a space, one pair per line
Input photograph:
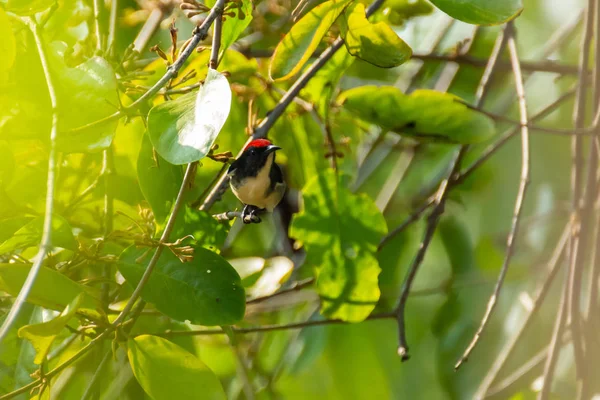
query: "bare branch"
540, 296
523, 184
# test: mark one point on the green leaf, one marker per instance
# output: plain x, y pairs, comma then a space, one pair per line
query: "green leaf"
204, 229
8, 46
28, 7
302, 40
183, 132
423, 114
43, 335
233, 27
375, 43
481, 12
341, 231
159, 180
31, 234
166, 371
205, 291
51, 288
398, 11
86, 93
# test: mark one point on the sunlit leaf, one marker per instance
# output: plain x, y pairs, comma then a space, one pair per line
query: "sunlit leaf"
31, 234
233, 27
205, 291
481, 12
28, 7
183, 130
423, 114
341, 231
42, 335
166, 371
51, 289
398, 11
302, 40
86, 93
159, 180
8, 46
375, 43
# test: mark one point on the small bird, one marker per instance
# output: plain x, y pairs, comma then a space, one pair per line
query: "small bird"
256, 180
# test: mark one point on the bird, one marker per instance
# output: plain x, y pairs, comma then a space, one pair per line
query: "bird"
256, 179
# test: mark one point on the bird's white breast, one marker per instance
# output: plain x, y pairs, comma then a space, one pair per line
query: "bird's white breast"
252, 190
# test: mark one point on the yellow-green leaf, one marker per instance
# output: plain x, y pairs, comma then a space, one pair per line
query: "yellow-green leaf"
302, 40
375, 43
340, 231
423, 114
43, 335
166, 371
51, 289
481, 12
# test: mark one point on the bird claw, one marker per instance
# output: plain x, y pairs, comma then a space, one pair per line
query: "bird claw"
249, 215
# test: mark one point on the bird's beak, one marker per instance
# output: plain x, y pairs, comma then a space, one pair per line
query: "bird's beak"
271, 148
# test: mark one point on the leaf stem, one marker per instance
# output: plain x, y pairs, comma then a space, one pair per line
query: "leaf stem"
46, 241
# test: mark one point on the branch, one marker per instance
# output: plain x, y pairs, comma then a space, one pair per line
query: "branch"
46, 241
231, 215
297, 286
524, 182
540, 296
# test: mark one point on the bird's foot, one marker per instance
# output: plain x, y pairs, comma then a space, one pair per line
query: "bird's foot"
249, 214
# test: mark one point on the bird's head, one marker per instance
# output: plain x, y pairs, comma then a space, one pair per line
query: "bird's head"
254, 157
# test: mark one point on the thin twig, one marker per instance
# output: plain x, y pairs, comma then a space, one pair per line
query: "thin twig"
554, 347
112, 26
46, 241
540, 296
294, 288
523, 184
270, 328
107, 173
97, 12
89, 391
216, 43
526, 369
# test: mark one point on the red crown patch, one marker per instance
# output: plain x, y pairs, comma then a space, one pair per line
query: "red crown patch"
258, 143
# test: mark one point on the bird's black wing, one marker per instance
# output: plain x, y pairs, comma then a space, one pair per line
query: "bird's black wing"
275, 175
